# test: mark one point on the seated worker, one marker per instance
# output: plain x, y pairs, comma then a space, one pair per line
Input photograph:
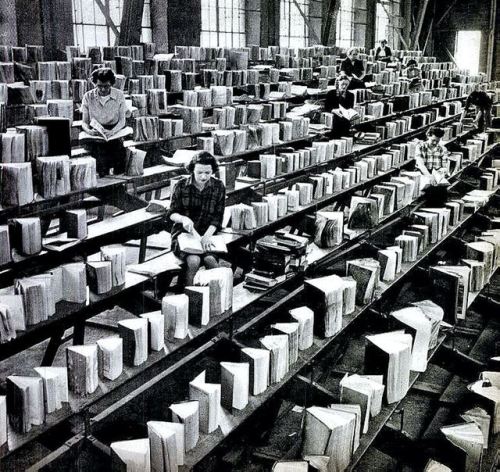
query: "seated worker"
353, 66
383, 52
103, 123
484, 104
431, 158
414, 75
340, 97
197, 204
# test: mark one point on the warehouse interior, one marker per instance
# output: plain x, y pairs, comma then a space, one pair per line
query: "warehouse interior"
249, 235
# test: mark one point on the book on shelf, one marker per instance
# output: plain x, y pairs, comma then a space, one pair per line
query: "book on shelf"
482, 419
363, 213
198, 305
389, 354
355, 410
435, 314
435, 466
482, 251
134, 333
290, 466
175, 309
7, 330
209, 397
118, 257
190, 243
75, 224
15, 306
259, 365
133, 455
414, 321
279, 355
75, 282
488, 390
388, 260
220, 282
326, 295
55, 387
134, 162
260, 280
305, 318
28, 234
365, 392
156, 330
188, 414
158, 206
3, 420
99, 276
477, 274
5, 250
83, 173
451, 290
329, 230
38, 298
235, 380
25, 402
467, 440
16, 184
166, 443
366, 273
110, 357
291, 329
332, 433
53, 175
83, 374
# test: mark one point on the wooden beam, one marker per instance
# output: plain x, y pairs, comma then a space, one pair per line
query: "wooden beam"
420, 22
491, 39
389, 17
428, 36
107, 17
333, 8
131, 24
307, 22
446, 13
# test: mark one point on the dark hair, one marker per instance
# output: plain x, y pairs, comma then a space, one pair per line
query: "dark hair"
104, 74
204, 158
383, 41
435, 131
411, 62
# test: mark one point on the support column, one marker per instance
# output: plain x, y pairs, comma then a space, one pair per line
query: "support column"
159, 24
270, 23
184, 23
29, 22
131, 24
8, 25
57, 27
253, 20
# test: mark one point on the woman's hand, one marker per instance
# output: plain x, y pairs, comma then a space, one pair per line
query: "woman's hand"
206, 243
187, 224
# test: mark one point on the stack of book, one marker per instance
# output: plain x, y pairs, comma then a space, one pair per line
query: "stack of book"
208, 396
83, 372
16, 184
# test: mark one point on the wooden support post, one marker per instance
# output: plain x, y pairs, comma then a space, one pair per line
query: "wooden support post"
420, 22
131, 24
107, 17
307, 22
330, 17
79, 333
446, 13
428, 36
52, 348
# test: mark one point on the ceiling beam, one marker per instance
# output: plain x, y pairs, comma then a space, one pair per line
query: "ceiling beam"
308, 23
107, 17
446, 13
420, 22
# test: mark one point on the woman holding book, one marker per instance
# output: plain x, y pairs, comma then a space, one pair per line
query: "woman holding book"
340, 102
197, 208
383, 52
353, 66
103, 122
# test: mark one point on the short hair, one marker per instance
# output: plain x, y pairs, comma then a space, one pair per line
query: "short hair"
351, 51
435, 131
411, 62
204, 158
384, 41
104, 74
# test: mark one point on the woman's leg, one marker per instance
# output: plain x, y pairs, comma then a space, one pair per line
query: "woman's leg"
210, 262
192, 266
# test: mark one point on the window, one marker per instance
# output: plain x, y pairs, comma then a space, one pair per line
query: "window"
294, 32
467, 49
223, 23
345, 24
90, 25
382, 24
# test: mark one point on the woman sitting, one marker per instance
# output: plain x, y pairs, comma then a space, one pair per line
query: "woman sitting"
103, 123
353, 66
197, 205
383, 52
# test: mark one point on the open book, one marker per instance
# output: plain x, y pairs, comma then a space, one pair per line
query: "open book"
190, 243
94, 124
347, 113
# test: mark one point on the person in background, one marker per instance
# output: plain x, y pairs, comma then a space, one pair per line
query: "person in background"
383, 52
352, 65
431, 158
484, 104
197, 204
414, 75
103, 116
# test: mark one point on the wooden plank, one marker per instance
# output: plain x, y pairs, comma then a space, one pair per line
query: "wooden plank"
131, 24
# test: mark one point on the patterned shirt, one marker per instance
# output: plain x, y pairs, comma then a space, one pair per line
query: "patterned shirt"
204, 208
109, 113
433, 157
